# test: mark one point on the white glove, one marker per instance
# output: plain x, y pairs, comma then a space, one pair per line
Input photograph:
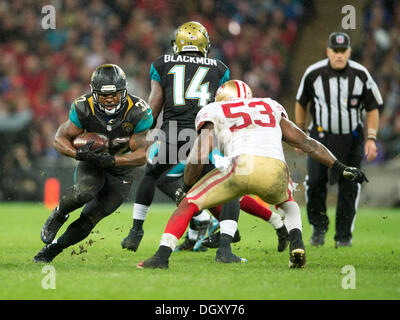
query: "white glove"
222, 163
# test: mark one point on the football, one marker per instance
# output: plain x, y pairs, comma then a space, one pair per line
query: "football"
99, 140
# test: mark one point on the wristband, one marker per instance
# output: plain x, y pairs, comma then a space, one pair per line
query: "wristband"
372, 138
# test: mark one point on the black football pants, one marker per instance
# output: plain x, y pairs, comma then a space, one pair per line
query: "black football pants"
100, 191
316, 193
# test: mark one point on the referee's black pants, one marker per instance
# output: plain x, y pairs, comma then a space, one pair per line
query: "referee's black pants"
316, 188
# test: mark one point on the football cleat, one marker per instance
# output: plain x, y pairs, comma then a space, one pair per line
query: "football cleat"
186, 245
53, 223
283, 238
212, 241
225, 256
347, 243
154, 262
318, 237
297, 258
210, 227
48, 253
132, 241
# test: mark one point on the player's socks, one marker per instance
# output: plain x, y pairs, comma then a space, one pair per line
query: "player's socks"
133, 239
139, 215
252, 206
180, 219
292, 215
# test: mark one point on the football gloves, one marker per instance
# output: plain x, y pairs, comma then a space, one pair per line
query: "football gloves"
83, 153
101, 159
350, 173
181, 192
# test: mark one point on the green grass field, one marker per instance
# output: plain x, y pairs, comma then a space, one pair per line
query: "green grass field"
106, 271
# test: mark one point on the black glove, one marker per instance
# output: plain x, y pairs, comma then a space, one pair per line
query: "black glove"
350, 173
102, 159
83, 153
181, 192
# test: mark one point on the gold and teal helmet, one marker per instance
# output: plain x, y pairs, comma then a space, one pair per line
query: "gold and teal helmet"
191, 36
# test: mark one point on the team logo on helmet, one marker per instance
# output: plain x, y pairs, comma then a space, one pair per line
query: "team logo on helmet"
191, 36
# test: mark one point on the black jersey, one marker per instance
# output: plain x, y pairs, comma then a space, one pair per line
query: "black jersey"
134, 117
189, 83
338, 97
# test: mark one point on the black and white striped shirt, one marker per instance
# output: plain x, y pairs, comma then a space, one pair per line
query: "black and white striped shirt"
338, 98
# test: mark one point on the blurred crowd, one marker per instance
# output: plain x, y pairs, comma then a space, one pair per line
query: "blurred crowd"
380, 54
43, 71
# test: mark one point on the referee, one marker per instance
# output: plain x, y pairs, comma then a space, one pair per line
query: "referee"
342, 96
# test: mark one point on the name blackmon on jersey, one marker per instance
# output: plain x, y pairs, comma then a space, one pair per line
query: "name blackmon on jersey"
190, 59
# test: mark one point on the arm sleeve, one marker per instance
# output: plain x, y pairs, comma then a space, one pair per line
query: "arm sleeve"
224, 78
154, 75
203, 116
145, 123
73, 117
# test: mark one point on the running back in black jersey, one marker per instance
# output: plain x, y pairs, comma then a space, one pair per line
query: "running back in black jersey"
189, 82
134, 117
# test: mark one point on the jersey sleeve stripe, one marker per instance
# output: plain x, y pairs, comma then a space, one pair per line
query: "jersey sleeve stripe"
130, 105
73, 117
90, 100
154, 75
225, 78
145, 123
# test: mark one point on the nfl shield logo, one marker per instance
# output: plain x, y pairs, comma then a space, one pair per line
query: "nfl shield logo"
340, 39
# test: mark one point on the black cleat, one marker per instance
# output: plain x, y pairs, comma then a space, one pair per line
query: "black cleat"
154, 262
48, 253
186, 245
347, 243
224, 256
132, 241
213, 240
283, 238
297, 258
317, 237
53, 223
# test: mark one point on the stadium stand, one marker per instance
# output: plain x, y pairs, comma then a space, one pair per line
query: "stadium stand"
42, 71
379, 52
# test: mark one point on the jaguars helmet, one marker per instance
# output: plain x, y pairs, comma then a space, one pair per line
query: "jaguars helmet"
108, 79
191, 36
233, 89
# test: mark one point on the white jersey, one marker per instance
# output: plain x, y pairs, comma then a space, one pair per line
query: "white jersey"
246, 126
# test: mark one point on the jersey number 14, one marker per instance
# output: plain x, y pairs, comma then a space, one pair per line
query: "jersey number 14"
195, 90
